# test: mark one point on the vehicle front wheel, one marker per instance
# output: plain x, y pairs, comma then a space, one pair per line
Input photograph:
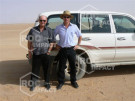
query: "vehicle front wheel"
80, 68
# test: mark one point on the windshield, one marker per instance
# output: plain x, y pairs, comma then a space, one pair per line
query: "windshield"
55, 20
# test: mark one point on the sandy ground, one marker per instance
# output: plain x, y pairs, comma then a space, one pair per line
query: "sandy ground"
117, 85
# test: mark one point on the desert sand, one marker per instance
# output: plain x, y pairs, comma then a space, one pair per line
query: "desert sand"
116, 85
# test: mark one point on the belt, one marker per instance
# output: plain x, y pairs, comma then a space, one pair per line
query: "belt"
68, 47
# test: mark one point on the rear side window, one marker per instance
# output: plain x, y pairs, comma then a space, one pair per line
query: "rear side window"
124, 24
95, 23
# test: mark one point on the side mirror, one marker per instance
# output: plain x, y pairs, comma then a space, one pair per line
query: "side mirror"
134, 30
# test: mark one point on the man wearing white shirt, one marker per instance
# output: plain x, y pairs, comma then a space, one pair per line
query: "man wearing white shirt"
66, 32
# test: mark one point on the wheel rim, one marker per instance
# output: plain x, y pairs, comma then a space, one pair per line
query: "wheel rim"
67, 70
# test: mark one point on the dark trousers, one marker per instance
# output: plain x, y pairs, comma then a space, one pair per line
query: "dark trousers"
37, 61
70, 55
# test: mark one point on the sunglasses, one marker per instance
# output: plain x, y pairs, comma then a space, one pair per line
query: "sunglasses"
66, 17
42, 20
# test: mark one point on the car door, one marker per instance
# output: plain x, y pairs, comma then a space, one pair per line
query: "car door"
98, 37
125, 38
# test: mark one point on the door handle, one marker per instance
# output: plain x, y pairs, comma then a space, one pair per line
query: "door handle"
86, 39
121, 38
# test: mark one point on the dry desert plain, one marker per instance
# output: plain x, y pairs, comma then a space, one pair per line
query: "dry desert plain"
116, 85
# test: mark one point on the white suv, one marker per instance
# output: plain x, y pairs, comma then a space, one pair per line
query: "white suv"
108, 38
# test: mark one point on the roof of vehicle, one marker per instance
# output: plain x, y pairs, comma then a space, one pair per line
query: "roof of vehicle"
85, 12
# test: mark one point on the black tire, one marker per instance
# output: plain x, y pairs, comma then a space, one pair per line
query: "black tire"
80, 67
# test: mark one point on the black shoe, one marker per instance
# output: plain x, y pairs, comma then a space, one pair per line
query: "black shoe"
32, 88
60, 86
47, 86
74, 84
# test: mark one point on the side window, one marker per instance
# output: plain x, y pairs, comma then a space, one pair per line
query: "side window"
55, 20
124, 24
95, 23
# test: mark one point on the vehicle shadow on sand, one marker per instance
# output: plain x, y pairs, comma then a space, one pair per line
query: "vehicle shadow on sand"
11, 72
118, 70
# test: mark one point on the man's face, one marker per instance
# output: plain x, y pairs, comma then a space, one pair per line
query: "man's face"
66, 19
42, 21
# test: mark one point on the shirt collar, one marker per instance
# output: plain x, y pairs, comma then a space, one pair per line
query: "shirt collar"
38, 27
69, 24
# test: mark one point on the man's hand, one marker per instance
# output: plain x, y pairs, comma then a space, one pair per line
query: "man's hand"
50, 48
76, 47
30, 48
48, 53
79, 41
58, 47
30, 55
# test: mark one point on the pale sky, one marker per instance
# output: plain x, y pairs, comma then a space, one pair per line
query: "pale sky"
26, 11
